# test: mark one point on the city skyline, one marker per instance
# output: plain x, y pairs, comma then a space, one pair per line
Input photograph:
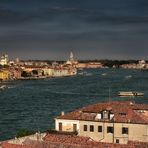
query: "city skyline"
51, 29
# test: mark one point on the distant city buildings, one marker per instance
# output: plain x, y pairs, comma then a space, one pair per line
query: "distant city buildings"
29, 69
140, 65
71, 60
5, 75
4, 59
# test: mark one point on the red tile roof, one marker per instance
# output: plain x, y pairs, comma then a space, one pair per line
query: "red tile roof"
85, 142
9, 145
124, 112
71, 141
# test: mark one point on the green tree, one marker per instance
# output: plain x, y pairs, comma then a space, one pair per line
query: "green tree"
24, 132
35, 72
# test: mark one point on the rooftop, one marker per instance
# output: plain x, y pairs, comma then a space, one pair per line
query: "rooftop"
124, 112
70, 141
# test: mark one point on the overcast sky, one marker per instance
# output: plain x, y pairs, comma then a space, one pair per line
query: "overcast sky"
92, 29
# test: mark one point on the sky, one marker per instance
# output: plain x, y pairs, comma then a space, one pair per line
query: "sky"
91, 29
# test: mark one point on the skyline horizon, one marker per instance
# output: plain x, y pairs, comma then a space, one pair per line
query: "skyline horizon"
67, 57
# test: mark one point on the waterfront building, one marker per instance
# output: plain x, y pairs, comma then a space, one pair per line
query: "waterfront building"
17, 60
140, 65
16, 73
48, 71
94, 65
81, 65
67, 71
32, 63
4, 59
89, 65
112, 122
71, 60
5, 75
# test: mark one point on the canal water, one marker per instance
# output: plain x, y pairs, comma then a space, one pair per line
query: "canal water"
34, 104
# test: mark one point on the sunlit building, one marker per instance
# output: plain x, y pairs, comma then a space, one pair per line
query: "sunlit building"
5, 75
4, 59
71, 60
112, 122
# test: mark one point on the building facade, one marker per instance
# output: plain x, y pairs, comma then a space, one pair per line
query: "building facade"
113, 122
4, 59
5, 75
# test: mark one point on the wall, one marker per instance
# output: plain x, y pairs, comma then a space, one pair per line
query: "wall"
20, 140
136, 132
48, 71
4, 75
67, 125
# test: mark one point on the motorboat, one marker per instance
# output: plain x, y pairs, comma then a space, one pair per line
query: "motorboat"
130, 93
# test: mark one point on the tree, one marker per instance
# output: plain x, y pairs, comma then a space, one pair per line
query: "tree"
25, 74
35, 72
24, 132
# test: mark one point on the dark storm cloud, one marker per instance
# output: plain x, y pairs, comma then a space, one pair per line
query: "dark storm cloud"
108, 28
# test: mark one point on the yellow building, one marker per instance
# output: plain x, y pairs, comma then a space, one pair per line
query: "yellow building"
113, 122
4, 75
48, 71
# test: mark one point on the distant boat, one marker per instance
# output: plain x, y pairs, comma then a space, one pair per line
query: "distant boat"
130, 93
3, 87
128, 77
104, 74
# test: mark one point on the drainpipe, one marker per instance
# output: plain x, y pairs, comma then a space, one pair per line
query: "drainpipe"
103, 131
113, 130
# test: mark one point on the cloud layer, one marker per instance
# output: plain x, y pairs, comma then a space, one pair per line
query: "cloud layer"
49, 29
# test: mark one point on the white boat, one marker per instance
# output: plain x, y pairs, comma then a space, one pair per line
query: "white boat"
104, 74
130, 93
3, 87
128, 77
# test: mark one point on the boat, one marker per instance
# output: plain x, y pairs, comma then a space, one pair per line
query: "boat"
128, 77
3, 87
104, 74
130, 93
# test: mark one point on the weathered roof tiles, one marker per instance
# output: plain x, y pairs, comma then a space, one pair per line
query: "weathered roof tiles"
124, 112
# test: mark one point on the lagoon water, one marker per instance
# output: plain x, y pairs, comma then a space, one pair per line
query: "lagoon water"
34, 104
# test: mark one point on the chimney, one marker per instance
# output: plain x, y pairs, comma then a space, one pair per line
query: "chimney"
62, 113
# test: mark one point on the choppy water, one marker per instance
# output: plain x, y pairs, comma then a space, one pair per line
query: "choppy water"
34, 104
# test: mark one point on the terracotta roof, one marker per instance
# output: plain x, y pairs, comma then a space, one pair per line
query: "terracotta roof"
71, 141
124, 112
85, 142
77, 141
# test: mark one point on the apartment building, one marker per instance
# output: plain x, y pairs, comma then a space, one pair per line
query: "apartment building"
113, 122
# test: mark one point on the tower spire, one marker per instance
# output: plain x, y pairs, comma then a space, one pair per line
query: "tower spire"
71, 56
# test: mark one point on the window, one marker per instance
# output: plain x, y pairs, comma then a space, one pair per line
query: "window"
91, 128
105, 114
117, 140
99, 128
74, 127
110, 129
60, 126
124, 130
85, 127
